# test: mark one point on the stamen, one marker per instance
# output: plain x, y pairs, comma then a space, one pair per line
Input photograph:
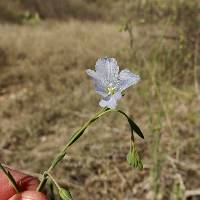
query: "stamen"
111, 90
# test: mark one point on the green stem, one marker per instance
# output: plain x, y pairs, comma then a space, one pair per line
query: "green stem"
62, 153
10, 178
54, 181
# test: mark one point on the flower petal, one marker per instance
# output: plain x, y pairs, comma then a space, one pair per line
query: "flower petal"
92, 73
109, 104
99, 87
110, 101
108, 68
117, 95
98, 83
127, 78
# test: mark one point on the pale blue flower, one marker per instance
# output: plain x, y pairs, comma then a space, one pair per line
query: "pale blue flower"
109, 83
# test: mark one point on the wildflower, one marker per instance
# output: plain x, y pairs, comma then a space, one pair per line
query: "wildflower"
109, 83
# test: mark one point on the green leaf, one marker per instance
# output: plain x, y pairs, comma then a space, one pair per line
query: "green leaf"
65, 194
135, 128
60, 156
133, 125
76, 136
134, 160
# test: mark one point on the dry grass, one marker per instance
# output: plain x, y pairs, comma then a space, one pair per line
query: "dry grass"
45, 95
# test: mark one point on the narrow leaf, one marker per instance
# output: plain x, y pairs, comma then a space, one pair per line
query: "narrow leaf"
135, 128
58, 159
133, 125
76, 136
65, 194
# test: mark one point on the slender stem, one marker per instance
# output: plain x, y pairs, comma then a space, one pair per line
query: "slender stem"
42, 182
54, 181
62, 153
107, 111
10, 178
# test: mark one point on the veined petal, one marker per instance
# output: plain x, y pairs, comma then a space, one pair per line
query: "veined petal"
98, 83
108, 68
92, 73
109, 104
127, 78
99, 87
110, 101
117, 95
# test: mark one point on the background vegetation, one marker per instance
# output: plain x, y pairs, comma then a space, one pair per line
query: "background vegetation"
45, 47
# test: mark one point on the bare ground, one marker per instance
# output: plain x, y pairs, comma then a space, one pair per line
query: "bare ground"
45, 95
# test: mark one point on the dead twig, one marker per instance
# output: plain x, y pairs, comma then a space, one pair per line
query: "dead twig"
184, 165
192, 193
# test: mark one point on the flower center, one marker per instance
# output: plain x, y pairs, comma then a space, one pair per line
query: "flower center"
111, 90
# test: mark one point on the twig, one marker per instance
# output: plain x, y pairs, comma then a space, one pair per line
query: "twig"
64, 183
169, 37
192, 193
124, 181
183, 164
